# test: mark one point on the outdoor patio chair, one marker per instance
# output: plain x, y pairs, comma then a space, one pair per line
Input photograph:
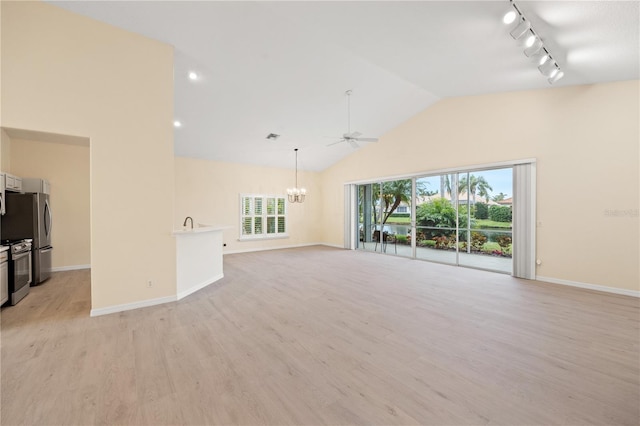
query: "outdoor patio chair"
387, 238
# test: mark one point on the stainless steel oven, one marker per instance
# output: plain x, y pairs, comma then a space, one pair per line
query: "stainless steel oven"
20, 272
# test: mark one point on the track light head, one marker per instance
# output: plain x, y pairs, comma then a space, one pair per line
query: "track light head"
536, 48
509, 17
556, 77
548, 67
521, 29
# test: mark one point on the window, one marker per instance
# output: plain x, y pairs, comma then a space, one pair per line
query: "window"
262, 216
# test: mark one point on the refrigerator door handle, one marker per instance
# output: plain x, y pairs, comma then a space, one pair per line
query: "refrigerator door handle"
48, 219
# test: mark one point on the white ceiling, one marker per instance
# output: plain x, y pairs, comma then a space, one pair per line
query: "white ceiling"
283, 67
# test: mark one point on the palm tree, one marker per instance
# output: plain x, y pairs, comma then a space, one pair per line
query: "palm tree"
393, 193
476, 185
501, 196
483, 188
450, 185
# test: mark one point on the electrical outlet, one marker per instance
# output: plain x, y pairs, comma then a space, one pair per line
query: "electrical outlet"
149, 284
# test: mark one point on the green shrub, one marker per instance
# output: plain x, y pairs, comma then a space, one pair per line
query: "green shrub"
482, 211
500, 213
441, 242
503, 241
402, 239
427, 243
477, 240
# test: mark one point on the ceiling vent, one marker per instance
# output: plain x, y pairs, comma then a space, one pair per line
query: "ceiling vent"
272, 136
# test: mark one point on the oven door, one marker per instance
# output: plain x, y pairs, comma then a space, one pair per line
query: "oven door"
21, 278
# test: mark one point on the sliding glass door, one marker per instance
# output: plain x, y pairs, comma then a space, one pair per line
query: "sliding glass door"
462, 218
384, 217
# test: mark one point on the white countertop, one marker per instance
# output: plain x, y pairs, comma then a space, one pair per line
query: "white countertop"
199, 229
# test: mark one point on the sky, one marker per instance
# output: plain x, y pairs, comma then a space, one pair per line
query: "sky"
499, 179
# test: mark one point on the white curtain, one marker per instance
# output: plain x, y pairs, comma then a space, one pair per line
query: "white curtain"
524, 221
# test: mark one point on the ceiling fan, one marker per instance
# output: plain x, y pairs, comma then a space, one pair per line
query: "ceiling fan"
352, 138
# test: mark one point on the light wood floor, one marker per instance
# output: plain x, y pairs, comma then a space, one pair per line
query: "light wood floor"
326, 336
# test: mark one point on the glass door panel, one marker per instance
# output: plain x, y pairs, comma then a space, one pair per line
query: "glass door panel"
486, 232
394, 232
436, 214
368, 214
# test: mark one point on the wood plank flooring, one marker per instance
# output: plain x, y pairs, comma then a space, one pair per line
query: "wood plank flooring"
325, 336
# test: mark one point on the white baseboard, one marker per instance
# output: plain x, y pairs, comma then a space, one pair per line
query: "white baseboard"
331, 245
70, 268
200, 286
596, 287
129, 306
279, 248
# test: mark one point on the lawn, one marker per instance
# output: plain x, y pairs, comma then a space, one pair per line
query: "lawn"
490, 224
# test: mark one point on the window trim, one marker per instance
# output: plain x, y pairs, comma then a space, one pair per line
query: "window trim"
264, 235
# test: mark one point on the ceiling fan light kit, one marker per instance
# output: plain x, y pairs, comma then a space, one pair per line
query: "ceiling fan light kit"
534, 47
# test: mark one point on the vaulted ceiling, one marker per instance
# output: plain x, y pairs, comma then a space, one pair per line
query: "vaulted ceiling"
284, 67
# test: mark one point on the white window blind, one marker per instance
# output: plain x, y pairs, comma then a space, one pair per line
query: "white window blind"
262, 216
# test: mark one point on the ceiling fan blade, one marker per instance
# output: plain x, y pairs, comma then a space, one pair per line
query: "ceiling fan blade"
367, 139
353, 144
336, 142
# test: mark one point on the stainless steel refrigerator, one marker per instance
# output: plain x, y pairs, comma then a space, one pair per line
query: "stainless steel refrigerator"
29, 216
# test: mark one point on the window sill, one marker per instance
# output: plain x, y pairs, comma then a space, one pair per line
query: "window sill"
266, 237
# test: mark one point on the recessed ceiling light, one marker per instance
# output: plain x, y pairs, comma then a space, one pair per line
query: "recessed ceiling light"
177, 123
193, 75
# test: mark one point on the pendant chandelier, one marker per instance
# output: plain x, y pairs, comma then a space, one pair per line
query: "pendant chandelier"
296, 195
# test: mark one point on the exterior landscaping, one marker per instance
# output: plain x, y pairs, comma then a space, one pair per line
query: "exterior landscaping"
483, 223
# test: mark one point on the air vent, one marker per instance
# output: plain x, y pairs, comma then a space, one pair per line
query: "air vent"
272, 136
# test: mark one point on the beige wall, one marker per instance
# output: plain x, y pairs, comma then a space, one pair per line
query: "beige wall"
5, 151
209, 191
67, 74
67, 169
585, 140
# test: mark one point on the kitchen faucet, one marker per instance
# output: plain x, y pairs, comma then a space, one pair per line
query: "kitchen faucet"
185, 222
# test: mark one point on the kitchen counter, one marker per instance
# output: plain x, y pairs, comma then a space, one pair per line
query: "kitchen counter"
198, 258
199, 229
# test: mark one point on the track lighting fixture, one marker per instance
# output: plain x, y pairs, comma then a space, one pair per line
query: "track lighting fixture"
534, 47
